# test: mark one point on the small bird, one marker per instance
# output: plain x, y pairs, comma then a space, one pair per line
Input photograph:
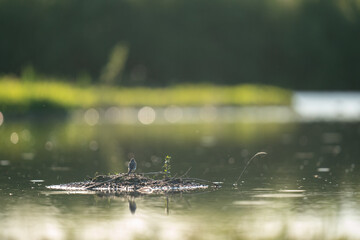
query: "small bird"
132, 166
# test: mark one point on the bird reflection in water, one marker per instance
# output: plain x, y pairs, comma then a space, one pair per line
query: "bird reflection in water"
131, 200
132, 205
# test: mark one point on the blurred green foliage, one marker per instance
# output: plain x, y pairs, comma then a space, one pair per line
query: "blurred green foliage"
23, 95
300, 44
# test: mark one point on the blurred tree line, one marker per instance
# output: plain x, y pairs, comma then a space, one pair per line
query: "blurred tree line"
299, 44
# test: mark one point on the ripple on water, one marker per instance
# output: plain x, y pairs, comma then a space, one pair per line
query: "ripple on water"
36, 180
252, 203
281, 195
292, 191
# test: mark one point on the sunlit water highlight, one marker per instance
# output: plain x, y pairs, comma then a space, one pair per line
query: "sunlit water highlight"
226, 213
305, 107
305, 188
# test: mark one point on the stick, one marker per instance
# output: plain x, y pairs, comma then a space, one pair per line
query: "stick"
186, 172
201, 180
99, 183
170, 179
257, 154
152, 173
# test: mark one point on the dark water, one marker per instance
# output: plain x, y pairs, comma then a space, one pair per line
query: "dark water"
305, 188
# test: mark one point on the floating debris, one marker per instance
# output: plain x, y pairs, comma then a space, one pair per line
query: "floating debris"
138, 183
48, 193
323, 169
4, 162
56, 168
28, 156
37, 181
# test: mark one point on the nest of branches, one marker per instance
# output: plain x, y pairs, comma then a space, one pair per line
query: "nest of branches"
137, 183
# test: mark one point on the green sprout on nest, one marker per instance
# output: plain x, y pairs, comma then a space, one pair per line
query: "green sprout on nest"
167, 167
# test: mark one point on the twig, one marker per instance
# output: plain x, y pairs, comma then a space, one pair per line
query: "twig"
114, 178
152, 173
247, 164
170, 179
186, 172
201, 180
99, 183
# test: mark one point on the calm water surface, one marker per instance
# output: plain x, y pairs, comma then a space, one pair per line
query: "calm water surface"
306, 187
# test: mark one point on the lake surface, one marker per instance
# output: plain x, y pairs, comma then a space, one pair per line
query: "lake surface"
305, 188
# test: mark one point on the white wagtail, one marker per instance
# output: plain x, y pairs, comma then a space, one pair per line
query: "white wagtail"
132, 166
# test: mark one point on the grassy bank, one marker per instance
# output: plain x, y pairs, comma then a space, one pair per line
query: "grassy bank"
20, 94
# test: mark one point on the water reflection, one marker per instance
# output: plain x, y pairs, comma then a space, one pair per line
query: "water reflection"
237, 214
279, 213
132, 206
307, 184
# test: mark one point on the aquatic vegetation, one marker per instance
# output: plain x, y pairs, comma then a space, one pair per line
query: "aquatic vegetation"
167, 167
247, 164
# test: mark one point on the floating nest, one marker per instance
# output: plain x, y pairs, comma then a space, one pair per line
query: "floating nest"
136, 183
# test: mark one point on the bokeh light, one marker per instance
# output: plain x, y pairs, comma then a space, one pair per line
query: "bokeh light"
146, 115
93, 145
173, 114
14, 138
91, 116
26, 135
49, 145
1, 118
113, 114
